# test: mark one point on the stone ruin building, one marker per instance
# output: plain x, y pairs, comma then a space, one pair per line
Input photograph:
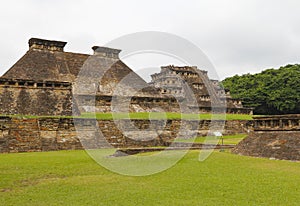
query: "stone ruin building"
180, 80
42, 83
274, 136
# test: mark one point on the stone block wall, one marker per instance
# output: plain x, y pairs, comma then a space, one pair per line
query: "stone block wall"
35, 98
273, 137
46, 134
276, 144
103, 103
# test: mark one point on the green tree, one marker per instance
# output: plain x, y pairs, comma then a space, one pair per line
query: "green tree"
273, 91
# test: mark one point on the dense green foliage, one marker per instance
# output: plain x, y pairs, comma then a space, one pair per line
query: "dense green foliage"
273, 91
72, 178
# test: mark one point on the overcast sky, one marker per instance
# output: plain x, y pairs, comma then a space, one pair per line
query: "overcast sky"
237, 36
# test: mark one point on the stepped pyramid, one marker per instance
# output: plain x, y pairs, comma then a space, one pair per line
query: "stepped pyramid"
195, 87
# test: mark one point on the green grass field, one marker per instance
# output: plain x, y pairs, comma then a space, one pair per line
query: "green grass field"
73, 178
228, 139
168, 115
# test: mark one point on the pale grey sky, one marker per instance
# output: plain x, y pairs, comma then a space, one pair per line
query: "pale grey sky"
238, 36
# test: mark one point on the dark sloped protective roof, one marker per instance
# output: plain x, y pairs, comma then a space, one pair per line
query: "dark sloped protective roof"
46, 61
47, 65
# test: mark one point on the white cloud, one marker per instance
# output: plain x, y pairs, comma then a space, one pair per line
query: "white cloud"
238, 36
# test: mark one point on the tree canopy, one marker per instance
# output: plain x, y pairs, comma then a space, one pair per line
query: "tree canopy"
273, 91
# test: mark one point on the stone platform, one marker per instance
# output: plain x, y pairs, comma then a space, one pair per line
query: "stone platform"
275, 137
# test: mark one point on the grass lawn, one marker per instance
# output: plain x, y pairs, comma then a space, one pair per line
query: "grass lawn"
168, 115
73, 178
228, 139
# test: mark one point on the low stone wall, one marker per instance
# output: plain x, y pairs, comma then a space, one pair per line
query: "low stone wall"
26, 135
45, 134
276, 144
273, 137
103, 103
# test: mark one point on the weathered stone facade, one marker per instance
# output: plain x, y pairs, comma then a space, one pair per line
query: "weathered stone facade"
36, 79
45, 134
273, 137
29, 97
195, 88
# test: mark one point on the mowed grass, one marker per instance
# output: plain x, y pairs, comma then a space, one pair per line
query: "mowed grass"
228, 139
167, 115
73, 178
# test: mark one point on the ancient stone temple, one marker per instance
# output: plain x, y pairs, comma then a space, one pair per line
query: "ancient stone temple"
44, 81
184, 80
47, 81
40, 83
